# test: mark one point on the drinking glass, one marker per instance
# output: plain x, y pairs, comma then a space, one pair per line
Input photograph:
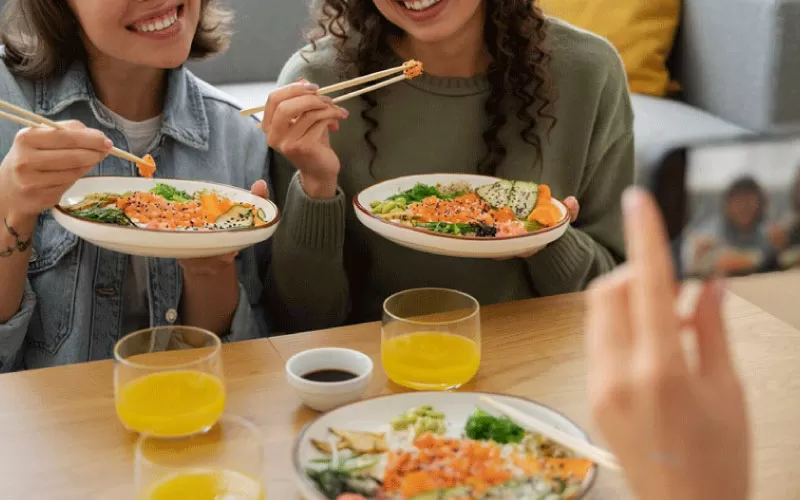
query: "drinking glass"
431, 338
227, 462
168, 381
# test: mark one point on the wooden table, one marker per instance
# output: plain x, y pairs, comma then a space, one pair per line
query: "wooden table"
60, 439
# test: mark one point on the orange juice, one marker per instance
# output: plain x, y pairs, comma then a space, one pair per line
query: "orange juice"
430, 360
206, 485
171, 404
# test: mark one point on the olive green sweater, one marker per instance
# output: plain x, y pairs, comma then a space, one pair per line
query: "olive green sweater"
328, 269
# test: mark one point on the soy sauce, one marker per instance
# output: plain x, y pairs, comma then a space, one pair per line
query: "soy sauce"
332, 375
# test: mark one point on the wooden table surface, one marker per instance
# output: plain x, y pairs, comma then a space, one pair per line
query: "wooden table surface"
60, 438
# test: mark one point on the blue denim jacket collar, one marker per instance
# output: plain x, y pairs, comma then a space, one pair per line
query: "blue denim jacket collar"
185, 119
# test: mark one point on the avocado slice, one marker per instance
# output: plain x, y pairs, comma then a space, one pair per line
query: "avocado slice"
496, 194
523, 198
237, 217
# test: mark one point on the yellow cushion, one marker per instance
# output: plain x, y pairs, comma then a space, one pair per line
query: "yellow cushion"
643, 32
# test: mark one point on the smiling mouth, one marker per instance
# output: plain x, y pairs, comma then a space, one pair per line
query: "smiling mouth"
418, 5
158, 23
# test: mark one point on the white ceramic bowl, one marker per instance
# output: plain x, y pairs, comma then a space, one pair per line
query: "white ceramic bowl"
445, 244
374, 415
325, 396
157, 243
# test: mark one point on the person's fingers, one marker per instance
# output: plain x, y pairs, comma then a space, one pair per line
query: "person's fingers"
290, 112
609, 314
652, 286
609, 341
278, 97
59, 179
64, 160
308, 120
55, 139
712, 343
573, 208
319, 131
46, 198
259, 188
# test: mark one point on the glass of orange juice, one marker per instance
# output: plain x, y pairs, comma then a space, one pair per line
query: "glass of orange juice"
431, 338
168, 381
227, 462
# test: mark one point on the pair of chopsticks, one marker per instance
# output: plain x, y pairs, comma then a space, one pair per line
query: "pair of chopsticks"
577, 445
28, 119
410, 69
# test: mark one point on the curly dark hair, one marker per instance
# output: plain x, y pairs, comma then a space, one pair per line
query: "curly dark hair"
516, 39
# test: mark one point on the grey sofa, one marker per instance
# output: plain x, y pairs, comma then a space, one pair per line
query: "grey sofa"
737, 60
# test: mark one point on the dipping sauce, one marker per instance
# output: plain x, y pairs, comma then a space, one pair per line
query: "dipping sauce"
332, 375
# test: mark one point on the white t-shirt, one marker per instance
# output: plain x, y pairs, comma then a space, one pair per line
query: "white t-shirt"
141, 137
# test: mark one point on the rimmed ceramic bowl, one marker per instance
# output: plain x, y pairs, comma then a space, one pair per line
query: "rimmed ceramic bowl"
159, 243
445, 244
374, 415
325, 396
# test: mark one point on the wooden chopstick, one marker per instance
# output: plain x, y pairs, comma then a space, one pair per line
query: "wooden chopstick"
355, 82
377, 86
578, 445
29, 119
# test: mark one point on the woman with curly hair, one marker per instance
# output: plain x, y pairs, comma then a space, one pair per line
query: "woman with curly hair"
507, 92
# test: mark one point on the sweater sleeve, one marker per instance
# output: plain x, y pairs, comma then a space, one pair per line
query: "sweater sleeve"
308, 259
307, 264
594, 244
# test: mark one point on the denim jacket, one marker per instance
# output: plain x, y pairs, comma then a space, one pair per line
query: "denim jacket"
72, 308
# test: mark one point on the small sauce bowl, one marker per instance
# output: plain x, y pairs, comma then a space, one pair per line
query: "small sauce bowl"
325, 396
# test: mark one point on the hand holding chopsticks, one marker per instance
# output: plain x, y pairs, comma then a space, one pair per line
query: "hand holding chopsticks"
411, 69
577, 445
26, 118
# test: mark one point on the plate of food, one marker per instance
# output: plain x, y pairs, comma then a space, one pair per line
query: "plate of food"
429, 446
462, 215
166, 218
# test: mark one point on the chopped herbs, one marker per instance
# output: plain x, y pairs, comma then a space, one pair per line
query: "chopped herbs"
171, 193
422, 191
484, 427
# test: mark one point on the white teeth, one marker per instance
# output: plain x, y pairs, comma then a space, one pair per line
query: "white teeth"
420, 4
157, 25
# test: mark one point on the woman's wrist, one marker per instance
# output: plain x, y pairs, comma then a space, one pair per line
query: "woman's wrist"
319, 188
24, 224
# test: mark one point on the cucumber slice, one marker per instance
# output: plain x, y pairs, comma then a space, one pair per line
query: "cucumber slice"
237, 217
496, 194
262, 214
522, 198
359, 463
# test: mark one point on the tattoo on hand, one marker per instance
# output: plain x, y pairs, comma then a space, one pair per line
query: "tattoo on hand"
20, 245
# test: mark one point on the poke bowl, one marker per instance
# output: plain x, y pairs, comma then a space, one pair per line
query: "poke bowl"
166, 218
463, 215
421, 446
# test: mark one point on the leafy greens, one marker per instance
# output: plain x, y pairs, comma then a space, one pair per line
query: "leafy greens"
421, 191
171, 193
108, 215
484, 427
